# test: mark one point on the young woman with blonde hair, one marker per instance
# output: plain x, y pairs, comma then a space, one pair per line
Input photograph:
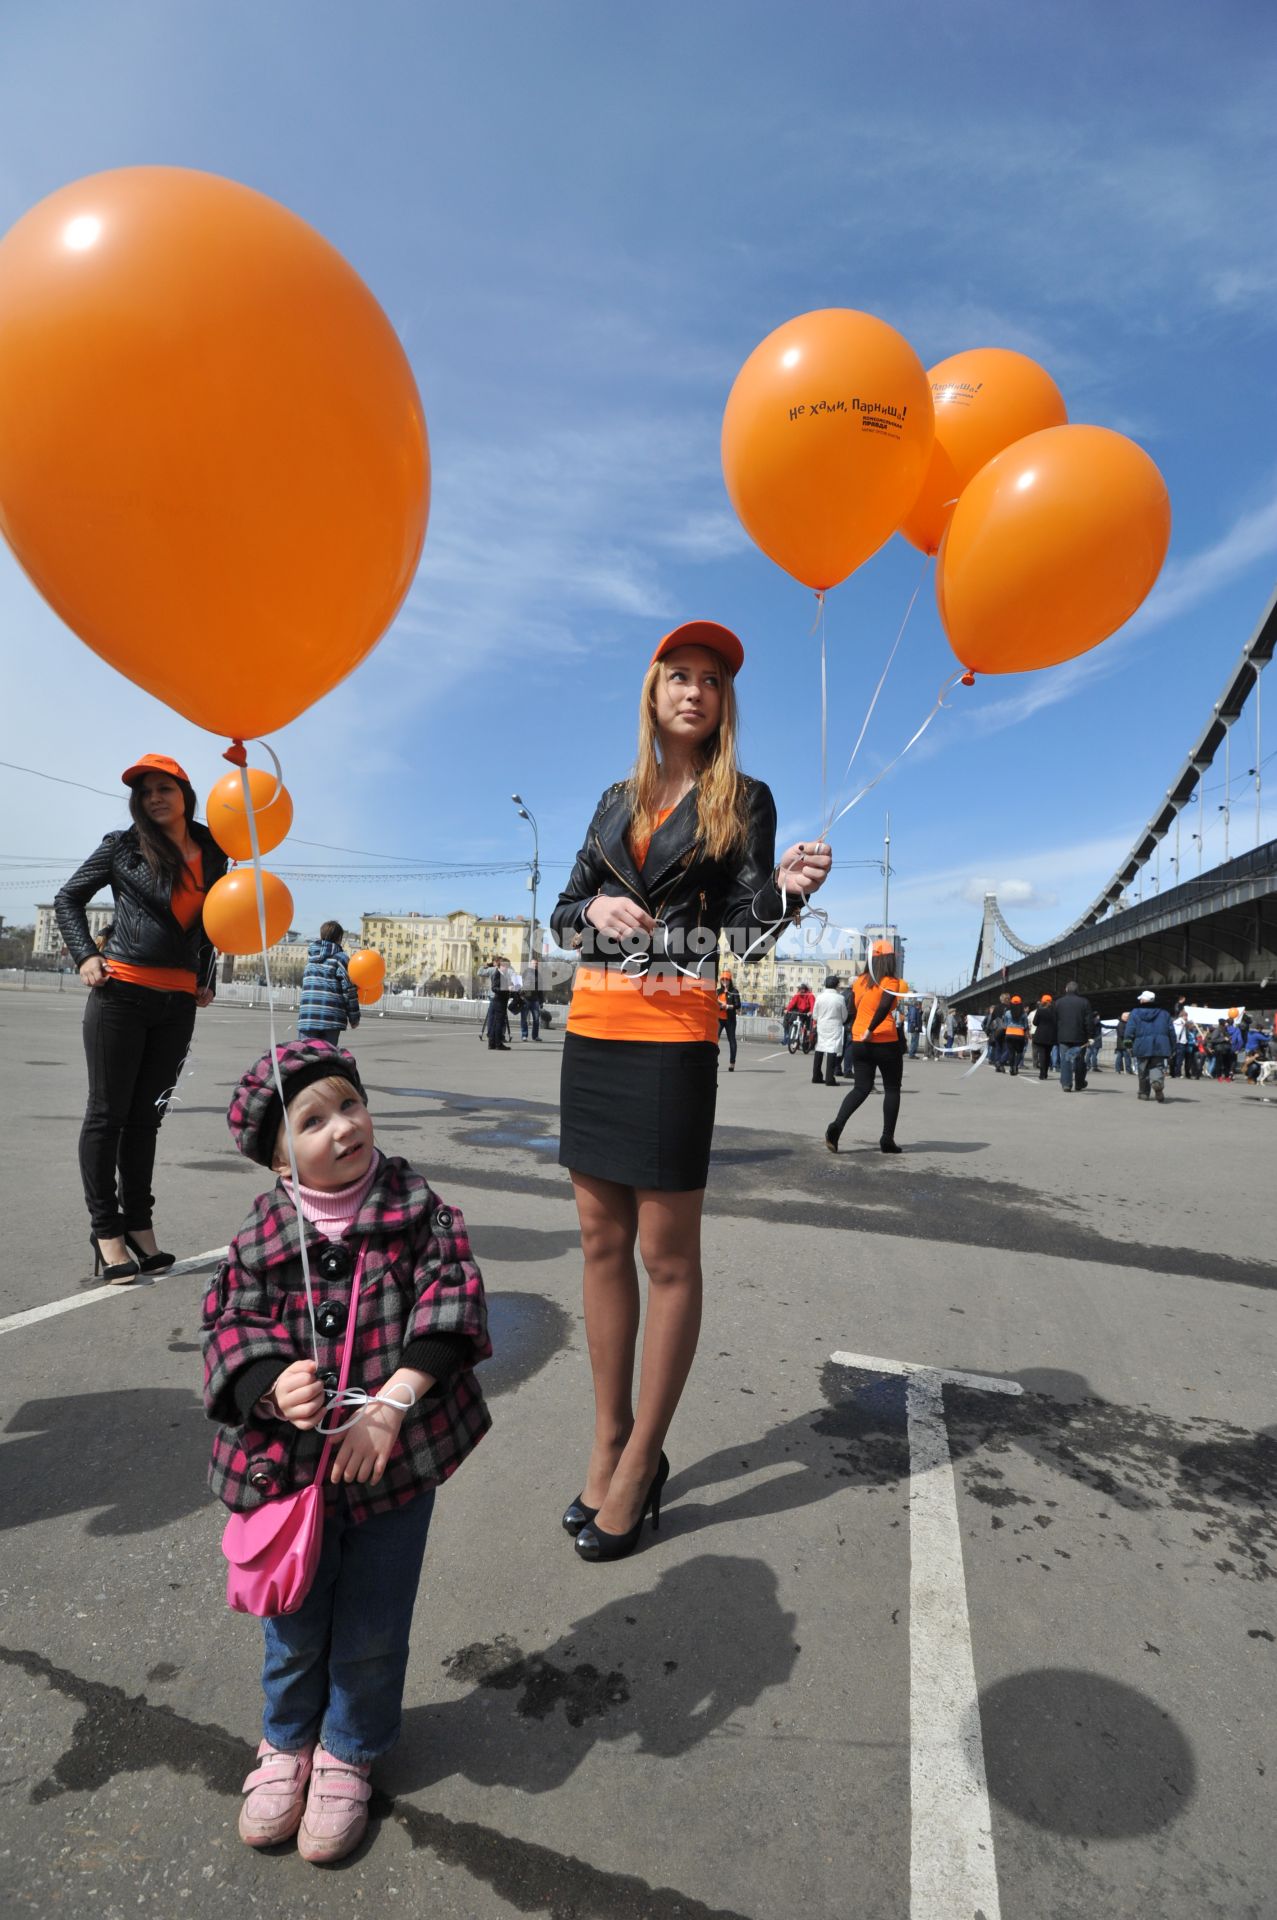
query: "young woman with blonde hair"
676, 856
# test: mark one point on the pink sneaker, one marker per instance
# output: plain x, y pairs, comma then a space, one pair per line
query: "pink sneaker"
275, 1795
336, 1815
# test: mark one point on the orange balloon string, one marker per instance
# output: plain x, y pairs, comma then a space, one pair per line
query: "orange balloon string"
274, 1043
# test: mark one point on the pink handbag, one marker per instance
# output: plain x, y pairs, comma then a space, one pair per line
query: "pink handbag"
273, 1551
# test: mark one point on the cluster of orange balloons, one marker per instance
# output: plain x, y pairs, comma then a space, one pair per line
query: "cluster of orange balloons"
232, 920
1048, 536
368, 971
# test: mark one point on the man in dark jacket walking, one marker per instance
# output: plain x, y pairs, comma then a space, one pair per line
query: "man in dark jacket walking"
1074, 1017
1152, 1038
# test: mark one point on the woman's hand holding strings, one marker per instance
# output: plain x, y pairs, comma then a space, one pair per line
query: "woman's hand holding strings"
617, 916
805, 867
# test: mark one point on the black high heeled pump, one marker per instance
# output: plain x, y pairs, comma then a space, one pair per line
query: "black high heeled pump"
149, 1262
592, 1543
117, 1271
578, 1515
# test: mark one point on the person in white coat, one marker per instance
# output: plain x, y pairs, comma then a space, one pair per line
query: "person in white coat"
831, 1022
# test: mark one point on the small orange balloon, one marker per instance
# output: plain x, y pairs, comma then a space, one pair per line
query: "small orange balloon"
228, 821
826, 437
985, 400
1052, 546
230, 912
213, 458
368, 971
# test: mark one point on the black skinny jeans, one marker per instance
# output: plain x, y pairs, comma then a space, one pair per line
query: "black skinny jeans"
135, 1039
867, 1058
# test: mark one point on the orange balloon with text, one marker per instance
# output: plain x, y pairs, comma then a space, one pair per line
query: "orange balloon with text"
985, 400
826, 437
228, 820
368, 971
230, 912
213, 456
1051, 548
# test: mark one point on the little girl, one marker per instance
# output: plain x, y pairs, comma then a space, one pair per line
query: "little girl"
334, 1671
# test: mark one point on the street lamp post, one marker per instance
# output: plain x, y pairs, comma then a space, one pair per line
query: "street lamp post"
525, 813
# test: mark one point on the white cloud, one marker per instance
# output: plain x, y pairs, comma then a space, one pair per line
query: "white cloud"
1011, 893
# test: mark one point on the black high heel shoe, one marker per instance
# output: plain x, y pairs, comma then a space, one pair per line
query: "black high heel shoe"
149, 1262
592, 1543
578, 1515
113, 1274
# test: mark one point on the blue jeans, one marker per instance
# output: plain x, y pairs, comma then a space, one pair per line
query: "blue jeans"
1072, 1060
334, 1670
1123, 1063
914, 1038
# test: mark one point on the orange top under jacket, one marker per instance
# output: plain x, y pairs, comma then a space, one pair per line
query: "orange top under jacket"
610, 1005
187, 903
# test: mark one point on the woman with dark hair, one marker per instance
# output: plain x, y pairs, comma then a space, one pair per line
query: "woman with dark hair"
677, 855
155, 967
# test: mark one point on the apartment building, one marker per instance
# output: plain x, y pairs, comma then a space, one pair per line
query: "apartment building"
421, 947
287, 960
48, 935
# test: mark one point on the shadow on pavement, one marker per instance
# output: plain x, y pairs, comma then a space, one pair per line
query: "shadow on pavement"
657, 1668
1084, 1756
140, 1455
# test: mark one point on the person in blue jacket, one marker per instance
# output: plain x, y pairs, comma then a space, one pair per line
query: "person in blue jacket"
329, 997
1152, 1041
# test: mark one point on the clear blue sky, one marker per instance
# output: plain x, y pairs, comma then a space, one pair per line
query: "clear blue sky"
581, 219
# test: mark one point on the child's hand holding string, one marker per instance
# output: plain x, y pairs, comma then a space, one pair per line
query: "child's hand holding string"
366, 1447
299, 1395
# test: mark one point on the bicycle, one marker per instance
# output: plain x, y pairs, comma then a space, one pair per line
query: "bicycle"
802, 1035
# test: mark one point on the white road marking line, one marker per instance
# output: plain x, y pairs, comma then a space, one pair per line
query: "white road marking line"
952, 1868
198, 1263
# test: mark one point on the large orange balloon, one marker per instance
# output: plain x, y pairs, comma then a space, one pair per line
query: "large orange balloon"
228, 821
826, 437
1051, 547
368, 971
230, 911
985, 400
213, 458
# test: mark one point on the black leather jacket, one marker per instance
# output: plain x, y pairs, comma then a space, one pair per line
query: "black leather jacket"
145, 932
694, 898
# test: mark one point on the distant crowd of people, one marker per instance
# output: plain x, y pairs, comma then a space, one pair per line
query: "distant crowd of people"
1150, 1042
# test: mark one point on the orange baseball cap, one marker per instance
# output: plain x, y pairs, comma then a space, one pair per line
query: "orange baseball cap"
704, 633
154, 763
884, 947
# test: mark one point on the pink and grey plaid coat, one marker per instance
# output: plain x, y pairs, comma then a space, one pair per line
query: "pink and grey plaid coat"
418, 1280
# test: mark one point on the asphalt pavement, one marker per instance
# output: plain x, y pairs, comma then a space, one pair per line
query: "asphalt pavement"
846, 1678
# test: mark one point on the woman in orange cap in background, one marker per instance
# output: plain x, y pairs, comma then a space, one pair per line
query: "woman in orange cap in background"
156, 965
1044, 1035
679, 853
877, 1046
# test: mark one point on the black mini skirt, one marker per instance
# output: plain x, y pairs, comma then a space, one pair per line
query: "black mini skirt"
640, 1112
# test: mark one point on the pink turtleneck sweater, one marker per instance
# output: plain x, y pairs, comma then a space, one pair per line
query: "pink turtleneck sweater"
335, 1210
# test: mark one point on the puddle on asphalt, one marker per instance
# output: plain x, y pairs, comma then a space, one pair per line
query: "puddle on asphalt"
543, 1143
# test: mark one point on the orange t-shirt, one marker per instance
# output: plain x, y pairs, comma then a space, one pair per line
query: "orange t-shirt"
610, 1005
187, 903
